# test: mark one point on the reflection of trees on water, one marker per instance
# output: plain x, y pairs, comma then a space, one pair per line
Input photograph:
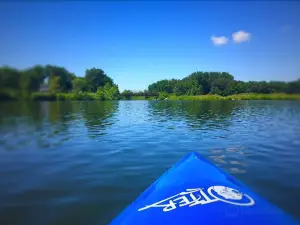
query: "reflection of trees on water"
33, 124
197, 114
50, 124
16, 124
208, 124
9, 111
97, 116
210, 114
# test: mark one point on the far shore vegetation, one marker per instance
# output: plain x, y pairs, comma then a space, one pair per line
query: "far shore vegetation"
52, 83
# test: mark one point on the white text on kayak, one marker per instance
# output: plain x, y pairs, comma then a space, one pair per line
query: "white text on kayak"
198, 196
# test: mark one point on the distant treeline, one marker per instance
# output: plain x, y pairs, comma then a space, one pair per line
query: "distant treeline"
53, 82
202, 83
57, 83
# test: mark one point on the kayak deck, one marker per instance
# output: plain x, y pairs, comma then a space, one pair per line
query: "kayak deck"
194, 191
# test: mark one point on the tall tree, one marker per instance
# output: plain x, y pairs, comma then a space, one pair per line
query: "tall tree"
96, 78
30, 80
55, 84
65, 77
127, 94
9, 78
294, 87
79, 84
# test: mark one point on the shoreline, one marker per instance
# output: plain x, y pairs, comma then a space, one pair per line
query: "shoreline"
208, 97
245, 96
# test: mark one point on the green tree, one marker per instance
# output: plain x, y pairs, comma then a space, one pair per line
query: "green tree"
127, 94
220, 86
163, 86
183, 87
96, 78
55, 83
9, 78
100, 93
65, 77
294, 87
238, 87
79, 84
277, 86
30, 81
111, 92
39, 72
215, 91
163, 95
195, 84
196, 90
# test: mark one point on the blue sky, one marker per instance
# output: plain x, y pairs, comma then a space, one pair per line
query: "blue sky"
137, 43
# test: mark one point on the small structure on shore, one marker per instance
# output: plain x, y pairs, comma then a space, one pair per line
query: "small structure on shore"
44, 87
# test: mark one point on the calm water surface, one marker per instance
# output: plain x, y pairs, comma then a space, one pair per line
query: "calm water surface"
77, 163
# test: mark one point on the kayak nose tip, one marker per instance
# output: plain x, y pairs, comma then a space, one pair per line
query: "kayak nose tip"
193, 155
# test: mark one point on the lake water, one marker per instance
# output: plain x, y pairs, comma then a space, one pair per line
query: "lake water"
77, 163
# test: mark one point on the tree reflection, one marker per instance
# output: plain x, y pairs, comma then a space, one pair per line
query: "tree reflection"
50, 124
97, 116
210, 114
197, 114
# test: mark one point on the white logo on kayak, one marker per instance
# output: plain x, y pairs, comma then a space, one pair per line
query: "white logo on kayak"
199, 196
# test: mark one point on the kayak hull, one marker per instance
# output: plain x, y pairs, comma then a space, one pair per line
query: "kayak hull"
194, 191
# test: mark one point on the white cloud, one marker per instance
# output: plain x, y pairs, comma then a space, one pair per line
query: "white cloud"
241, 36
222, 40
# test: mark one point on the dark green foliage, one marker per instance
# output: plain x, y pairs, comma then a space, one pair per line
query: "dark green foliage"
111, 92
195, 84
55, 83
80, 96
163, 85
8, 94
37, 96
221, 84
245, 96
181, 88
163, 95
79, 84
138, 95
96, 78
61, 76
127, 94
293, 87
9, 78
30, 81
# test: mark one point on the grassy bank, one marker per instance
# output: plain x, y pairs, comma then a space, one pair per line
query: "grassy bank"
195, 97
274, 96
76, 96
245, 96
141, 98
47, 96
65, 96
39, 96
